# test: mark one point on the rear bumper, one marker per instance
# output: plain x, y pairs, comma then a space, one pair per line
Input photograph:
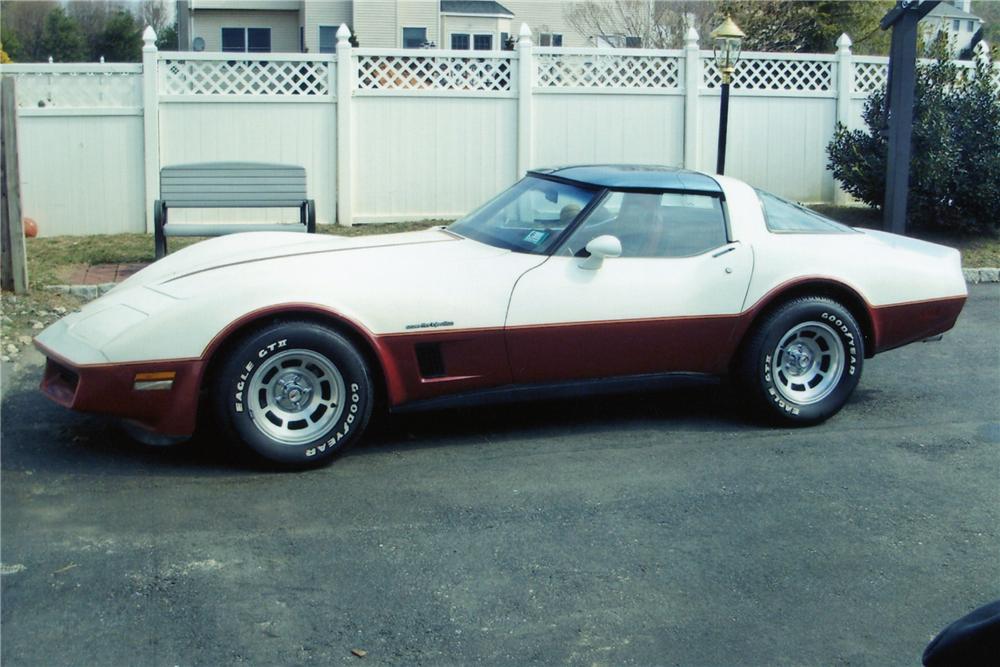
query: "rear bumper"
111, 389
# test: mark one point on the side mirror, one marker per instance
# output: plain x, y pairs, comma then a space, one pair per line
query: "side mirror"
599, 248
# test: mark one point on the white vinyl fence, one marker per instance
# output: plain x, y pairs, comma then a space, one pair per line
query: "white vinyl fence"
392, 135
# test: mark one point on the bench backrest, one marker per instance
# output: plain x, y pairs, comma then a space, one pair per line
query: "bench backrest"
233, 185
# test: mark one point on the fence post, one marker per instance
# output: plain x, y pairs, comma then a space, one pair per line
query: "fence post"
525, 83
692, 85
14, 270
345, 128
150, 123
845, 81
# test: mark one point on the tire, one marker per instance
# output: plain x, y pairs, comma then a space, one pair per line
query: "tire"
295, 393
803, 361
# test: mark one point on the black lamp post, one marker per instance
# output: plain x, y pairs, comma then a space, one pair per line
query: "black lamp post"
727, 41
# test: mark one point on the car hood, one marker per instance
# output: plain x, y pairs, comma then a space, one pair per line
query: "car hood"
245, 248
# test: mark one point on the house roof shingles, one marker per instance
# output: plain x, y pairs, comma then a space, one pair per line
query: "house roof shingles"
944, 10
474, 7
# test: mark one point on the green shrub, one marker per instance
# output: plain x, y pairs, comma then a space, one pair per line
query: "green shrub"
955, 162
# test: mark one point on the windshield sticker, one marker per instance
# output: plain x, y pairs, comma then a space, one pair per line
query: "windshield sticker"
536, 236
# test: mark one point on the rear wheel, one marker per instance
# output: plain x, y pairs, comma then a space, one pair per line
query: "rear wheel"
801, 364
295, 393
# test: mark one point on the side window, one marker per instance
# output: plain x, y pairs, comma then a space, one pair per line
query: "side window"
654, 225
784, 216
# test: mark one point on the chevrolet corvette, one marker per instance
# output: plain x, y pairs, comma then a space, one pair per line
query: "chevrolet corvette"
580, 279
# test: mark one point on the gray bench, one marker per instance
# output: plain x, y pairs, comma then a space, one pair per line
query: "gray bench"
230, 185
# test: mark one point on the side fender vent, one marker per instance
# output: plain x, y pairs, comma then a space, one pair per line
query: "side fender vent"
429, 360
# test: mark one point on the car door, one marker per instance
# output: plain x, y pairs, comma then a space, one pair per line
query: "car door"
669, 303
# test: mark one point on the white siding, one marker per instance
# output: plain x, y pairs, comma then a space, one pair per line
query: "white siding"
376, 23
330, 13
208, 24
418, 14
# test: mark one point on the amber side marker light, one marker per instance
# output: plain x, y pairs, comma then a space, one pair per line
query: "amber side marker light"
154, 381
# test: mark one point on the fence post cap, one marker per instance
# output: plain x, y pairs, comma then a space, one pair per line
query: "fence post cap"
691, 38
844, 44
343, 33
149, 39
524, 35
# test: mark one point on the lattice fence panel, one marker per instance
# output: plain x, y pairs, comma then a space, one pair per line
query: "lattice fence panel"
433, 73
244, 77
79, 90
869, 77
607, 71
774, 74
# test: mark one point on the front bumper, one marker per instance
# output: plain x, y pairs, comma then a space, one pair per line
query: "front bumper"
110, 388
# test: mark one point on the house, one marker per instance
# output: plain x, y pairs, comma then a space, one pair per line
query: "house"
310, 26
956, 21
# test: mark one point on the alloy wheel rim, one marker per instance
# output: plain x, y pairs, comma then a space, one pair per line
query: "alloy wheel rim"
296, 396
807, 363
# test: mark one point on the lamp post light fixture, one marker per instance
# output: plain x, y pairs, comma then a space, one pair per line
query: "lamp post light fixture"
727, 42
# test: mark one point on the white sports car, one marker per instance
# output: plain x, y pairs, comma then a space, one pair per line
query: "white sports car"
578, 279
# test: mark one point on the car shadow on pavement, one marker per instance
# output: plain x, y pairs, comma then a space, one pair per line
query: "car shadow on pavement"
38, 435
702, 406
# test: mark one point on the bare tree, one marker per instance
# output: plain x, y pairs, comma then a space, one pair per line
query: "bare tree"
658, 24
153, 13
770, 25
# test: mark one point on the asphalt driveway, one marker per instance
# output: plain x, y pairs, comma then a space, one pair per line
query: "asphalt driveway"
662, 529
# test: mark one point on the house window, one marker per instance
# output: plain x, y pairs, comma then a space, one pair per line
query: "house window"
954, 25
549, 39
460, 41
259, 40
254, 40
972, 26
234, 39
327, 39
483, 43
414, 38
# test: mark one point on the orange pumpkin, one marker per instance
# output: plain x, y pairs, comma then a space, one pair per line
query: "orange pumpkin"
30, 228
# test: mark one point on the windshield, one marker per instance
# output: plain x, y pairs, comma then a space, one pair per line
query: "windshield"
528, 217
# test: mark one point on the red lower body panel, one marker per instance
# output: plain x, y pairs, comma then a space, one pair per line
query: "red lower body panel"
608, 349
109, 389
904, 323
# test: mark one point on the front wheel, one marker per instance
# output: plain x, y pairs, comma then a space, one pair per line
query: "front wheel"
295, 393
801, 364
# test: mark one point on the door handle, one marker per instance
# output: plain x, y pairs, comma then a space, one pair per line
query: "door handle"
722, 252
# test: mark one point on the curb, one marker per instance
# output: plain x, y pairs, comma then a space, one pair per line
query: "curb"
976, 276
87, 292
